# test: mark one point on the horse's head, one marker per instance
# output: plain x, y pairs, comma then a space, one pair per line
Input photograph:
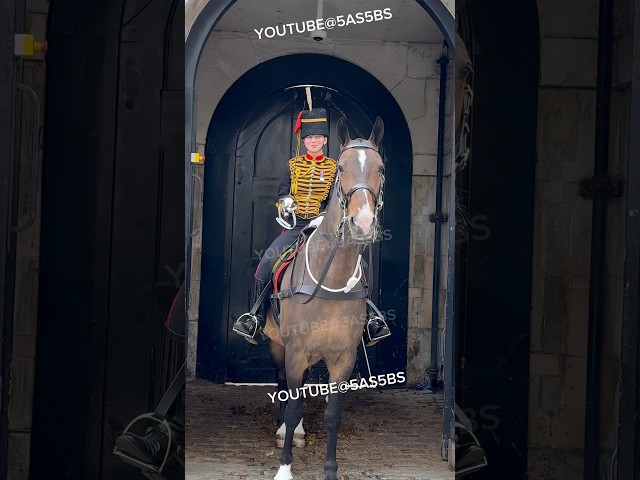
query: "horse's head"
360, 181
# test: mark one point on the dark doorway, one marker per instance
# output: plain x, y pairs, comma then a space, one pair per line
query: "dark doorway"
249, 139
495, 261
112, 255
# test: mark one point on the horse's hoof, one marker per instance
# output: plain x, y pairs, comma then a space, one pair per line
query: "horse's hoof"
284, 473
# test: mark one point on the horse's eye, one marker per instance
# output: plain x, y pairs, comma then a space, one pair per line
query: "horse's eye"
381, 170
340, 168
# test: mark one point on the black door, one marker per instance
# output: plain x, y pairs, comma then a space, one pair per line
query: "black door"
250, 138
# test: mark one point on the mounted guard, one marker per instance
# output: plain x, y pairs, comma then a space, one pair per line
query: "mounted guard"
305, 188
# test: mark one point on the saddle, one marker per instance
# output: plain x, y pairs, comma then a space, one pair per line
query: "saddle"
285, 260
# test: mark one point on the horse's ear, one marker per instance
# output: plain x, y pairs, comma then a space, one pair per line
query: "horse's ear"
377, 132
343, 131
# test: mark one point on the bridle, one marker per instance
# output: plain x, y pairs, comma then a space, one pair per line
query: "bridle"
344, 198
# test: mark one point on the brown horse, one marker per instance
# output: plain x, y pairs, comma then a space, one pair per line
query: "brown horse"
325, 322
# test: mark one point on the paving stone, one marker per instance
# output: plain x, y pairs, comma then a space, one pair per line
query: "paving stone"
385, 435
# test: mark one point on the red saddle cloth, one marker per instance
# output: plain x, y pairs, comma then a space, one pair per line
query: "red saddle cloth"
277, 276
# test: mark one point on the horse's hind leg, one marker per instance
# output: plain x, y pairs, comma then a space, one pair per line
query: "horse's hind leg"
333, 416
292, 414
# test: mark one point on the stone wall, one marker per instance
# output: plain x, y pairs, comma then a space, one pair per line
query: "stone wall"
562, 237
411, 73
27, 261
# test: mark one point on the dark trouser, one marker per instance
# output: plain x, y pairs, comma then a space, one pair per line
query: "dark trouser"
271, 254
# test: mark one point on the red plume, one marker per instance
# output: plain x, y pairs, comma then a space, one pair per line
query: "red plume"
298, 123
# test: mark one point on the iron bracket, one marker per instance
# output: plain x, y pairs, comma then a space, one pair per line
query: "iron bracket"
438, 218
601, 187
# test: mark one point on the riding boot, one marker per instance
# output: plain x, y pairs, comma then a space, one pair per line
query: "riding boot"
376, 327
248, 325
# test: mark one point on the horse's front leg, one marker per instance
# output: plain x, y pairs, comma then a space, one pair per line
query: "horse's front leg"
292, 414
333, 416
277, 356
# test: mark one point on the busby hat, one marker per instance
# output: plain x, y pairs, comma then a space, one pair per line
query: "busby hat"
312, 122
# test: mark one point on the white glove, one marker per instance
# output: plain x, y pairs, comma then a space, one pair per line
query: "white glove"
316, 221
288, 204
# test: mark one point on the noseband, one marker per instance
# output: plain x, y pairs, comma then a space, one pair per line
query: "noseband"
343, 198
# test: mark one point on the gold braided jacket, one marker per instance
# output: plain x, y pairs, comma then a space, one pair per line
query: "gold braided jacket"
310, 183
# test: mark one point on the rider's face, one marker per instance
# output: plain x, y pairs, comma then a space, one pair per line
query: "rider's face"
315, 143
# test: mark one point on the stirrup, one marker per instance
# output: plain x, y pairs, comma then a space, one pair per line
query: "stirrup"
373, 341
248, 337
131, 460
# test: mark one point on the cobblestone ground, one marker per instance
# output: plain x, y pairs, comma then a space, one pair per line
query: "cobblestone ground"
385, 435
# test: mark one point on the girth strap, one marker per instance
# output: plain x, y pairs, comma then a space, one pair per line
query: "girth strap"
309, 290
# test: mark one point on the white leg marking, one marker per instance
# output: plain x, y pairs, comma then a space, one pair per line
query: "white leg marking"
362, 157
284, 473
299, 429
282, 430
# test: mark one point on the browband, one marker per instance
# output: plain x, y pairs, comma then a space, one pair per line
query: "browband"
359, 143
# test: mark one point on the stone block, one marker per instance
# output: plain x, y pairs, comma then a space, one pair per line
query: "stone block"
427, 141
422, 60
568, 62
268, 49
613, 313
553, 463
539, 424
24, 346
619, 144
568, 18
192, 349
410, 95
418, 354
385, 61
550, 192
578, 305
419, 238
211, 84
424, 164
37, 6
554, 332
419, 272
544, 365
196, 264
556, 226
18, 455
622, 17
420, 191
194, 305
566, 122
568, 431
609, 398
580, 239
26, 311
550, 388
21, 397
622, 60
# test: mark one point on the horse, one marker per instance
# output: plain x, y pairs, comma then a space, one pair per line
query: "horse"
328, 324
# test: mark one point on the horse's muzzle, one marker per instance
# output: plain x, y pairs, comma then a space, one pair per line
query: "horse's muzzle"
358, 234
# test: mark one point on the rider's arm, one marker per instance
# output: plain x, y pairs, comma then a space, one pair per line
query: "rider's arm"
284, 183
